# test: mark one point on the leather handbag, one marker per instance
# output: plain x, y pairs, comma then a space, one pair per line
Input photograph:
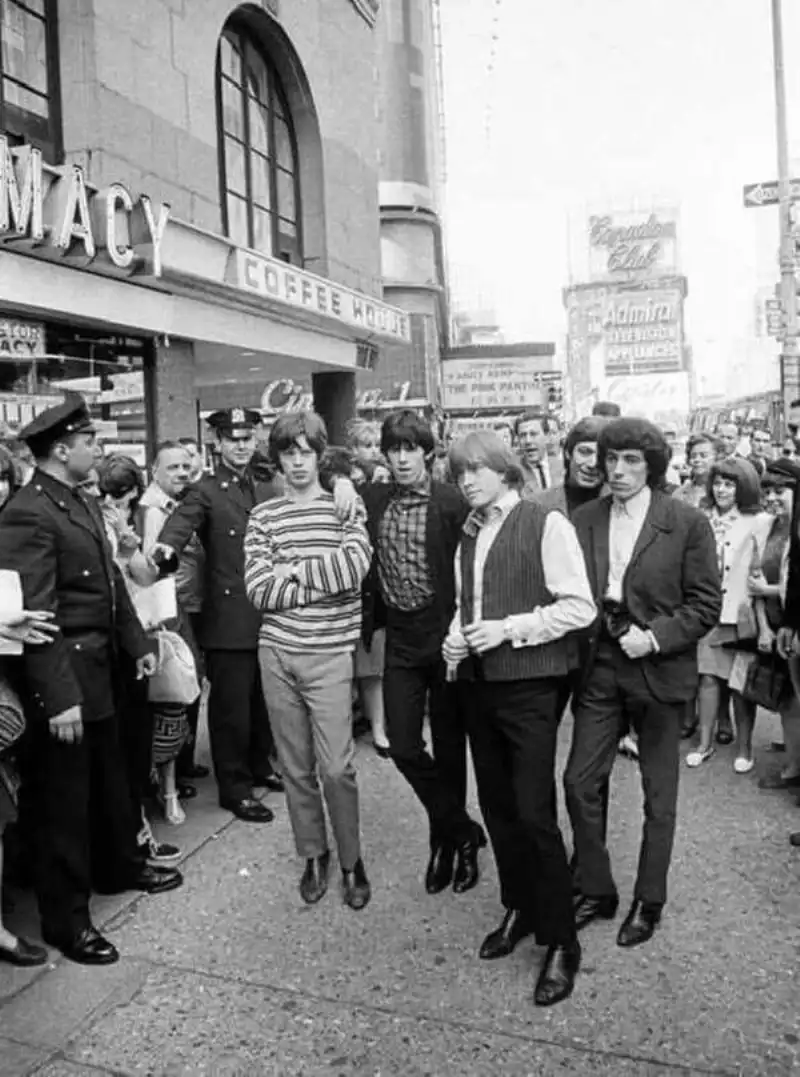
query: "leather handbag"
12, 718
767, 683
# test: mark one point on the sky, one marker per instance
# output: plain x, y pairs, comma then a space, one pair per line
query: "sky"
596, 104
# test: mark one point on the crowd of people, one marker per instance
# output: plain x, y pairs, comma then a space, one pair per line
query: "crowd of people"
481, 587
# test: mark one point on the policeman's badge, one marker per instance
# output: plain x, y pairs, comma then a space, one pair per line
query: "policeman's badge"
237, 415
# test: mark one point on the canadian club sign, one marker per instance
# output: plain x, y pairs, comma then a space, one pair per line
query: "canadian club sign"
56, 213
631, 248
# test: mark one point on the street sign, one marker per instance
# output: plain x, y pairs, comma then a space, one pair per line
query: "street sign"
766, 194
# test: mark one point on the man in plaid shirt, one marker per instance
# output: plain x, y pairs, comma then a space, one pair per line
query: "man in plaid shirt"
415, 527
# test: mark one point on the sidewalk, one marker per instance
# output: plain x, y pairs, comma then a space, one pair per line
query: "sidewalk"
232, 974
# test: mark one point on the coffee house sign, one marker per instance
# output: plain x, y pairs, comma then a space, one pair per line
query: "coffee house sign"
58, 214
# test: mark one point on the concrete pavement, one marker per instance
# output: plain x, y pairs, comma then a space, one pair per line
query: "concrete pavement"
233, 975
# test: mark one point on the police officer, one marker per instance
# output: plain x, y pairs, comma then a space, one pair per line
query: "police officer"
75, 794
217, 509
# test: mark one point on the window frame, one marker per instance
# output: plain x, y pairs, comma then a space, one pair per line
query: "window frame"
284, 247
51, 146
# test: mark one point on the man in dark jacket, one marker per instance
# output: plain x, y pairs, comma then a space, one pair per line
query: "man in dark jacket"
415, 525
75, 793
653, 568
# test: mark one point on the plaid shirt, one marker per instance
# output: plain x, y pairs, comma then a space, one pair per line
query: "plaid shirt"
402, 557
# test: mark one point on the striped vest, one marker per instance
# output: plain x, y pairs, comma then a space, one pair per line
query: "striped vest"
513, 582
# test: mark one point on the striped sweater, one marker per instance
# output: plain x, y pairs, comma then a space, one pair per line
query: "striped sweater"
321, 612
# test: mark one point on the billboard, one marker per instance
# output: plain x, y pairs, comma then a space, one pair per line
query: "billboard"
632, 245
504, 382
662, 398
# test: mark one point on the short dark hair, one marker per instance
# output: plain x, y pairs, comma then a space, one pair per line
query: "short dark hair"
337, 460
42, 447
586, 429
529, 416
607, 409
748, 484
117, 475
186, 441
409, 428
292, 426
699, 439
642, 435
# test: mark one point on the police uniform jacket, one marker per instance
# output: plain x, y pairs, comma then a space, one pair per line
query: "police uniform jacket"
54, 537
217, 509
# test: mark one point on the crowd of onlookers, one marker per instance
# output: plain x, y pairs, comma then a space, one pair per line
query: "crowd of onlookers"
744, 486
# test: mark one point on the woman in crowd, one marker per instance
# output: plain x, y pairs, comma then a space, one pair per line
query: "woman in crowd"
363, 441
701, 451
740, 529
779, 484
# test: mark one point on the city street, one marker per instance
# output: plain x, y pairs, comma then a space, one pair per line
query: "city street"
233, 975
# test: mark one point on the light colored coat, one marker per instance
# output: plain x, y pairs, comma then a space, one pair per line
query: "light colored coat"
740, 556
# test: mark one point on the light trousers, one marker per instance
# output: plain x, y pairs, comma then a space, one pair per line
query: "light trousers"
309, 696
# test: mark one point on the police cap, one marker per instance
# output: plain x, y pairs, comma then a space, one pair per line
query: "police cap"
70, 417
230, 421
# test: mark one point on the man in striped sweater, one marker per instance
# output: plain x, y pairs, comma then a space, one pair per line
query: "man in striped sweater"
303, 570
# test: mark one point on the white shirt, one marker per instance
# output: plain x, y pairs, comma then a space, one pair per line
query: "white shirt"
564, 576
624, 527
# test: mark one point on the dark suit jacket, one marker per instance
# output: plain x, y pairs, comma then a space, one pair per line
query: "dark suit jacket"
217, 509
55, 539
671, 587
446, 515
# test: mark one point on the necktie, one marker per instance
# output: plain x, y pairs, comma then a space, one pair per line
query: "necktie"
542, 476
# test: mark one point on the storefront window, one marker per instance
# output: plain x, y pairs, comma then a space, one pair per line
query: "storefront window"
258, 151
29, 75
39, 363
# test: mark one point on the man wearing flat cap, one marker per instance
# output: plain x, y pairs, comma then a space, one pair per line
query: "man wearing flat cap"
75, 795
217, 509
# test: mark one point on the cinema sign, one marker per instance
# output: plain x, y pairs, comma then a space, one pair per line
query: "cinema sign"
55, 213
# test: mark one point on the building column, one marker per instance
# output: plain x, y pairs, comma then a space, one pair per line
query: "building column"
174, 401
335, 401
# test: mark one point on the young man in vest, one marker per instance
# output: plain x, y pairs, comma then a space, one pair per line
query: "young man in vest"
415, 525
521, 589
653, 567
303, 572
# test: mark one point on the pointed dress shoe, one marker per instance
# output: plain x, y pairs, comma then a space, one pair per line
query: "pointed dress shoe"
588, 909
149, 878
639, 925
314, 881
272, 781
557, 978
248, 809
88, 947
467, 873
355, 887
23, 954
439, 873
503, 940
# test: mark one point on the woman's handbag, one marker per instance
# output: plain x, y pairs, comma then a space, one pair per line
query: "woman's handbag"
767, 683
175, 680
12, 719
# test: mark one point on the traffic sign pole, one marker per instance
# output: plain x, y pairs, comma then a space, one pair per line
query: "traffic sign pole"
790, 354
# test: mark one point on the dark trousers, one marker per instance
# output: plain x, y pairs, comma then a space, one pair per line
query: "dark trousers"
616, 695
188, 630
513, 730
76, 800
238, 725
440, 781
136, 732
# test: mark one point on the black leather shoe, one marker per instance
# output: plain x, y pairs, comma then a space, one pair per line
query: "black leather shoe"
557, 978
466, 872
724, 736
439, 873
314, 881
88, 947
186, 791
150, 879
588, 909
193, 772
689, 730
273, 782
794, 839
249, 809
356, 888
503, 940
639, 925
23, 954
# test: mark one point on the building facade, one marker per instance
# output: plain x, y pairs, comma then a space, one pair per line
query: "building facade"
189, 210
